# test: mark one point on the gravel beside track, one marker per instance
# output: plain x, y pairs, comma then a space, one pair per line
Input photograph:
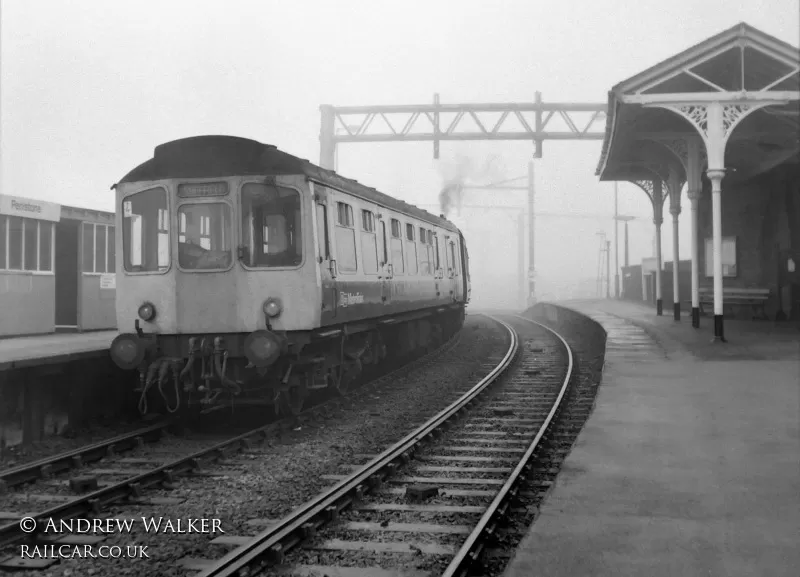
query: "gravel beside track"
17, 455
268, 481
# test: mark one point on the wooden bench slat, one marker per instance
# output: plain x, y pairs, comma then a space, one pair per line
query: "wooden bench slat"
756, 298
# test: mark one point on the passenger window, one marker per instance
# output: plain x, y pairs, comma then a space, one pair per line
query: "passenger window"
447, 252
345, 214
271, 226
322, 232
367, 221
424, 256
411, 250
397, 248
345, 239
385, 250
369, 243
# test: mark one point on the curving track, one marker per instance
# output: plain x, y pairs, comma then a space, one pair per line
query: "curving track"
431, 503
134, 486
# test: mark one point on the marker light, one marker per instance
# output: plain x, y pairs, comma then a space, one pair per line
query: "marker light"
272, 307
127, 351
147, 312
262, 348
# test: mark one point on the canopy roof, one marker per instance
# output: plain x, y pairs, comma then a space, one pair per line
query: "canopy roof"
737, 64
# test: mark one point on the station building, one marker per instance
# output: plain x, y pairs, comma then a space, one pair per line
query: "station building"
57, 268
721, 119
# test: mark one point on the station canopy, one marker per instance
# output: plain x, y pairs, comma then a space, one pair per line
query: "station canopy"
739, 65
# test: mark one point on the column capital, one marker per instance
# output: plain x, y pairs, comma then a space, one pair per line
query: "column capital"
715, 174
675, 210
693, 194
658, 220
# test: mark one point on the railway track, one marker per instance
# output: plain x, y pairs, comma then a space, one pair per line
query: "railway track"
435, 501
131, 488
77, 458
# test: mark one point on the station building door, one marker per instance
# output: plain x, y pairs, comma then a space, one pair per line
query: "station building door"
66, 269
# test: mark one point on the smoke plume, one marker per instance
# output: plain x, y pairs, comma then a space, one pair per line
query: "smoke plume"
462, 173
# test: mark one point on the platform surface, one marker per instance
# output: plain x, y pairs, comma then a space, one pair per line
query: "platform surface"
689, 463
22, 352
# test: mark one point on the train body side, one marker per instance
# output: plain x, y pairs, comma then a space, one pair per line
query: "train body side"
370, 260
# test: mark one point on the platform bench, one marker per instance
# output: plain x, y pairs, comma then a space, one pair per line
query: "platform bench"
754, 298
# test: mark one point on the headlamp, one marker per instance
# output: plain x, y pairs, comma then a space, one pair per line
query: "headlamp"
147, 312
127, 351
262, 348
272, 307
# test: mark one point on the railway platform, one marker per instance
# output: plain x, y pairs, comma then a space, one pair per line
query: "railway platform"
47, 381
688, 463
33, 351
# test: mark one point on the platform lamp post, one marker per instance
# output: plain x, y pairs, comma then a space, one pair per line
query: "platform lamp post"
624, 219
616, 241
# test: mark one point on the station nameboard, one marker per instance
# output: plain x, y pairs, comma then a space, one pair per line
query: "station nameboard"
28, 208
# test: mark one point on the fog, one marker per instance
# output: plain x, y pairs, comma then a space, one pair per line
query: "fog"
88, 89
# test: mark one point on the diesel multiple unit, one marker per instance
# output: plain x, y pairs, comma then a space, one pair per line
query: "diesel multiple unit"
246, 273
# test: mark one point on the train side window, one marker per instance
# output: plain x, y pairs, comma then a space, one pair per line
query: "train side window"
272, 226
369, 243
424, 257
323, 244
145, 238
345, 239
452, 253
436, 252
447, 256
385, 250
411, 250
367, 221
397, 248
344, 214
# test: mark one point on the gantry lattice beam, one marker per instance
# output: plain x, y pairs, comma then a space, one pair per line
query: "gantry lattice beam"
535, 121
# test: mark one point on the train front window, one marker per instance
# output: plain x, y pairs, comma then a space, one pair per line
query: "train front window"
271, 226
204, 236
145, 231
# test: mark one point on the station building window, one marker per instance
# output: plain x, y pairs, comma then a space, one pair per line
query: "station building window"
99, 253
26, 244
729, 259
345, 238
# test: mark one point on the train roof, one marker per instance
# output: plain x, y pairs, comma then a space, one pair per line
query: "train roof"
222, 156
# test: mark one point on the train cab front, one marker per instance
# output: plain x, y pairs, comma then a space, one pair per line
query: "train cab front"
188, 282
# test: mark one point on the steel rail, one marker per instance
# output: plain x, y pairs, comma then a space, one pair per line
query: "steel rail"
93, 502
42, 468
270, 545
471, 549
